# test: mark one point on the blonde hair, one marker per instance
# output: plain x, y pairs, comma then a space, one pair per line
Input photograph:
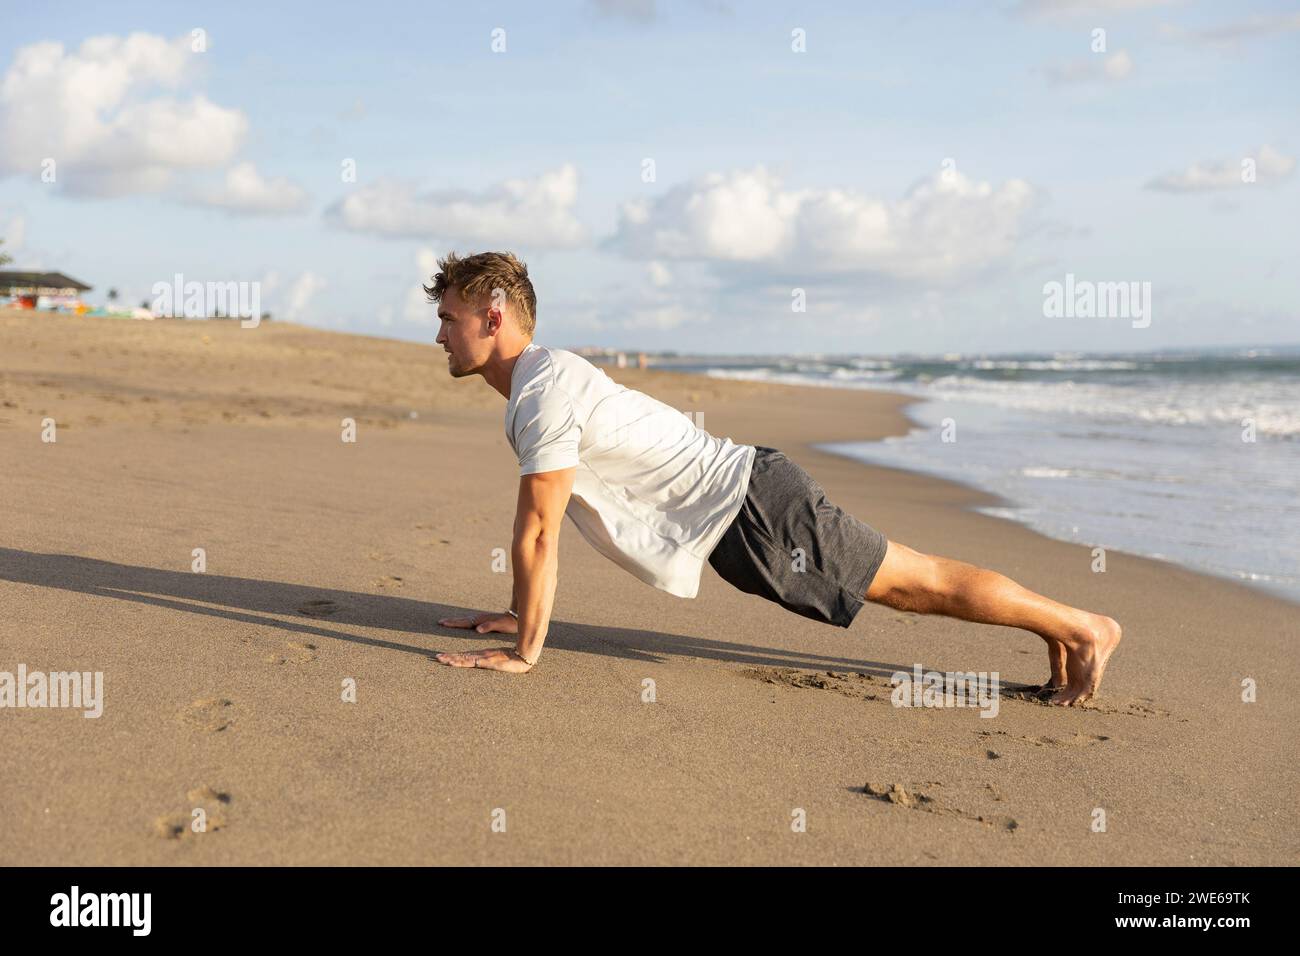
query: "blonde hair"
482, 274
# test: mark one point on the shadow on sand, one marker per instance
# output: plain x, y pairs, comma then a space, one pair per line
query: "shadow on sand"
298, 609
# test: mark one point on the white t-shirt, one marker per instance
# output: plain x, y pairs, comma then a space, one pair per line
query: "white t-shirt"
653, 492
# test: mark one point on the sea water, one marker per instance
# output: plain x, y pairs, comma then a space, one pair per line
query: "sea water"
1192, 457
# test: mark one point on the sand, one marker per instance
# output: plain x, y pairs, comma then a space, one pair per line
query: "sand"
328, 564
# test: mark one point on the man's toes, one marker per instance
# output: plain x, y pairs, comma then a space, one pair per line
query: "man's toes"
1071, 697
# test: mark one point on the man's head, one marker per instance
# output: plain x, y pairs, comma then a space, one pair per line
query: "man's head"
486, 306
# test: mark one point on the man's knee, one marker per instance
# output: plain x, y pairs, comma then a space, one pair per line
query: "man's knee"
907, 579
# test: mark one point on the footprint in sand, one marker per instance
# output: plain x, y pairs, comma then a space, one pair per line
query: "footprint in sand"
928, 797
1069, 740
319, 608
847, 683
295, 652
210, 714
1142, 708
389, 581
179, 825
1038, 694
171, 826
1045, 740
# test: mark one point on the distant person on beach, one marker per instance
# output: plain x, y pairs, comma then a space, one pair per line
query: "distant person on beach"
659, 496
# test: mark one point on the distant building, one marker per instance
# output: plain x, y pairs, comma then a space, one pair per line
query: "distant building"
621, 358
27, 288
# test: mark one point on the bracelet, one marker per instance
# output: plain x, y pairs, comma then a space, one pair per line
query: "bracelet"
517, 654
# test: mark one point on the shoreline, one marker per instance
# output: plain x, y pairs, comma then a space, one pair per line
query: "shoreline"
986, 498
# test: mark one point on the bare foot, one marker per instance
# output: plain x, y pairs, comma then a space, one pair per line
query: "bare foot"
1085, 662
1056, 678
1056, 657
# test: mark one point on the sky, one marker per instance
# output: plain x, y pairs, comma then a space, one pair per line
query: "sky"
703, 176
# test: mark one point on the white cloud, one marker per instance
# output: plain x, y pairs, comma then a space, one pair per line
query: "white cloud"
659, 274
660, 318
245, 191
1271, 167
642, 11
416, 307
1118, 66
357, 111
534, 212
648, 11
943, 227
1060, 9
1091, 69
270, 281
13, 232
1261, 25
301, 293
98, 113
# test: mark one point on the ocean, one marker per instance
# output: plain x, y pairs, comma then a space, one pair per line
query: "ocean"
1192, 457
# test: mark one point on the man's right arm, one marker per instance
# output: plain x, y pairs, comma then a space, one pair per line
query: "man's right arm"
543, 499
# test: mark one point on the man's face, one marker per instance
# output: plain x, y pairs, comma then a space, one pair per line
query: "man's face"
462, 332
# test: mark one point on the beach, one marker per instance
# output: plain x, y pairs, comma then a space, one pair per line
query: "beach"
327, 563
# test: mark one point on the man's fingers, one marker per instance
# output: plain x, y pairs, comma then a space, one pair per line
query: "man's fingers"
464, 621
456, 660
483, 623
465, 658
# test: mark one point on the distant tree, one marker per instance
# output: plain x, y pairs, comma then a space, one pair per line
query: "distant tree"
112, 295
4, 258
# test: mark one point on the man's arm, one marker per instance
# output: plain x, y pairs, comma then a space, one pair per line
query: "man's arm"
543, 498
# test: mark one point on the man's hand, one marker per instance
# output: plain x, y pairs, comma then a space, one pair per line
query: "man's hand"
485, 622
492, 658
543, 499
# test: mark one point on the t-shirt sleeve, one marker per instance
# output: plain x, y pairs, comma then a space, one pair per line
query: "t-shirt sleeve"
546, 432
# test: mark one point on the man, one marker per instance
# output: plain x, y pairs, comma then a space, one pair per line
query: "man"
659, 496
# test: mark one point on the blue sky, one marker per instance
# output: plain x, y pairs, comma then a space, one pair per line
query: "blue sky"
919, 170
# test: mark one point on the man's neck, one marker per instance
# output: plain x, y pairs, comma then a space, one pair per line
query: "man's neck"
499, 374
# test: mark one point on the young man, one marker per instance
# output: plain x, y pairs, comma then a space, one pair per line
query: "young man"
659, 497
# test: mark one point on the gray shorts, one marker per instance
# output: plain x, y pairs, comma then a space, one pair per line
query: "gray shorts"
785, 510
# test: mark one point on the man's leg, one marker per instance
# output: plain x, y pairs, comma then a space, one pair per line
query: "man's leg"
1078, 643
